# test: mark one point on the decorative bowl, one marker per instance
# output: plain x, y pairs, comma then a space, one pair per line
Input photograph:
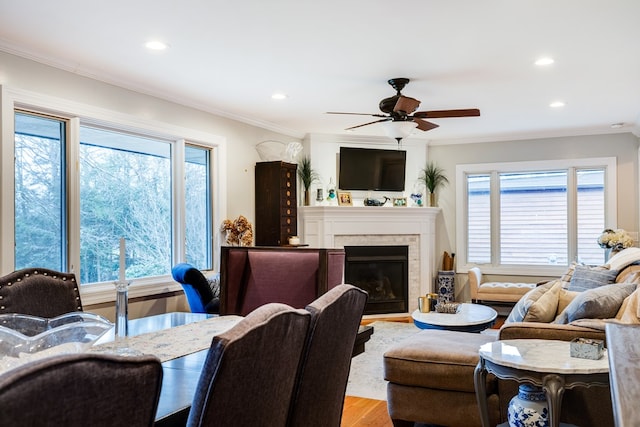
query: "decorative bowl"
22, 336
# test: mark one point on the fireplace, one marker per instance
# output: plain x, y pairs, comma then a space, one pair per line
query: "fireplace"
382, 271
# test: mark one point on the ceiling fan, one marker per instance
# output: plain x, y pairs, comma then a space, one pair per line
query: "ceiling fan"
401, 111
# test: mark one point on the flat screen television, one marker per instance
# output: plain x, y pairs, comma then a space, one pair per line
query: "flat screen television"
371, 169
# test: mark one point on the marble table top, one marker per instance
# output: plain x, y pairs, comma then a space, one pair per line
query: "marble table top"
541, 356
467, 315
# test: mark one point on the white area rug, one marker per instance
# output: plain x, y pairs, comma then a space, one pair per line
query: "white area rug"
366, 378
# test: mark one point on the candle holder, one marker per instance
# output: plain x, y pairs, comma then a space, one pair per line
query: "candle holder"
122, 308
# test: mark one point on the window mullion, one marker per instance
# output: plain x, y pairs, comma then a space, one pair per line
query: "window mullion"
73, 196
495, 218
572, 214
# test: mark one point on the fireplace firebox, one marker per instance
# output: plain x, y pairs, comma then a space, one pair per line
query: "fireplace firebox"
382, 271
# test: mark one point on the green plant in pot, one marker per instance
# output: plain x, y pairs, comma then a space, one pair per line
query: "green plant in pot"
433, 178
308, 176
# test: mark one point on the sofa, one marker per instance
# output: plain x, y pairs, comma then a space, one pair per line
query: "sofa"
430, 375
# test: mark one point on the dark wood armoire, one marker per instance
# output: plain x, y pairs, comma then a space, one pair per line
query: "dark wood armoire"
276, 203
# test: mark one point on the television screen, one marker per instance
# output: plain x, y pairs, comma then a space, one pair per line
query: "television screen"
371, 169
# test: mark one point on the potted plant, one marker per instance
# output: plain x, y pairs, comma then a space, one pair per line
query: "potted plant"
433, 178
308, 177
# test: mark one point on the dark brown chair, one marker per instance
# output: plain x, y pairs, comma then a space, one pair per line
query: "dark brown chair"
253, 276
39, 292
322, 380
78, 390
250, 371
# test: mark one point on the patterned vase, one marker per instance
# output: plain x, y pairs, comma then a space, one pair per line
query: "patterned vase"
446, 286
528, 408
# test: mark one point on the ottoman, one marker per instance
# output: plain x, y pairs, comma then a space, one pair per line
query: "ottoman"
431, 380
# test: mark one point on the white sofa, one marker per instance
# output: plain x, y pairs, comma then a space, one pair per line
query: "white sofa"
509, 292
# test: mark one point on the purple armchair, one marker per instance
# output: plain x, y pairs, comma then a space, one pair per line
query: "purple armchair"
253, 276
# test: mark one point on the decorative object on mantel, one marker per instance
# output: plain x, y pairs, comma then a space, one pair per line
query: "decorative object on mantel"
331, 191
400, 202
239, 232
433, 178
344, 198
417, 199
375, 202
613, 241
308, 177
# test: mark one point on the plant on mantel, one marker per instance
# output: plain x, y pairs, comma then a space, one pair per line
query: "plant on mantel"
433, 178
308, 176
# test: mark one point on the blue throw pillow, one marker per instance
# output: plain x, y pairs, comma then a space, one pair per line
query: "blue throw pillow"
585, 277
598, 303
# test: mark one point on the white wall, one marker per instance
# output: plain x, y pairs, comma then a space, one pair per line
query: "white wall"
324, 150
624, 146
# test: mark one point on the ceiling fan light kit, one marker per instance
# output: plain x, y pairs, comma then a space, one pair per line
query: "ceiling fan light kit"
400, 120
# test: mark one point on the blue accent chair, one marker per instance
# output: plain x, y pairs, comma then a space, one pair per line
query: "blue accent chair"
196, 288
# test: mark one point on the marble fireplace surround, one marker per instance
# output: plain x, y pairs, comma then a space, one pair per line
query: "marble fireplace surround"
340, 226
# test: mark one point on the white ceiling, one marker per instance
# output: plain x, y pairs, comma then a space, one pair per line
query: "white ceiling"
228, 57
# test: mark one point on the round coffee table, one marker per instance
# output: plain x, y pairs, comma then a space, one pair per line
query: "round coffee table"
469, 318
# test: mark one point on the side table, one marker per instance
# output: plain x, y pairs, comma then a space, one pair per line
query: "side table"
542, 363
469, 318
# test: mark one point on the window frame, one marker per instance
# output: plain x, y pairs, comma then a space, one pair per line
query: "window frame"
12, 99
609, 164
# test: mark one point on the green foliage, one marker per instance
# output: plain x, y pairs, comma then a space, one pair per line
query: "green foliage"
306, 173
433, 177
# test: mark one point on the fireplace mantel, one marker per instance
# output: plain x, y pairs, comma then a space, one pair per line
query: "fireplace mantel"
329, 226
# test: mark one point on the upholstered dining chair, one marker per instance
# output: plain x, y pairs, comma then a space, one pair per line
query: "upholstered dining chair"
39, 292
250, 370
322, 379
196, 288
82, 389
623, 351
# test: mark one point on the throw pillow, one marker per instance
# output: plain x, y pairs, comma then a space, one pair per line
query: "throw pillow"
544, 309
566, 277
585, 277
598, 303
629, 312
523, 305
565, 298
623, 258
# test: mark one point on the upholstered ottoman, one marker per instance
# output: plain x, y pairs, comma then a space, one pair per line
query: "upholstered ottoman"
431, 380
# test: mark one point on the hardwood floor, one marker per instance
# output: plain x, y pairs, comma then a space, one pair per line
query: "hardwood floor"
361, 412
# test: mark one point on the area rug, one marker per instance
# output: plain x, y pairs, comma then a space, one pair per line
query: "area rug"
366, 378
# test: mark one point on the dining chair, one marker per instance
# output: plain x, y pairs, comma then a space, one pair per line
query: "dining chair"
39, 292
623, 351
250, 370
322, 379
196, 288
82, 389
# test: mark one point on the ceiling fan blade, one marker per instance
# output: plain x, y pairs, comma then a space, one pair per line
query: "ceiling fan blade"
370, 123
358, 114
425, 125
406, 105
440, 114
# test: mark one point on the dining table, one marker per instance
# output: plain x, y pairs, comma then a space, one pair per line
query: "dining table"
181, 342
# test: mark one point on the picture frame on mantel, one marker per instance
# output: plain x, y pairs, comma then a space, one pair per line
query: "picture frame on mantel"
344, 198
400, 202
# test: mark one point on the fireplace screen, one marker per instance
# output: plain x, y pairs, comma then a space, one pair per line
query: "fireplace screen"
382, 271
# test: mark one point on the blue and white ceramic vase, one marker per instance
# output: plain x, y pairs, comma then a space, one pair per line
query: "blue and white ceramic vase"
528, 408
446, 286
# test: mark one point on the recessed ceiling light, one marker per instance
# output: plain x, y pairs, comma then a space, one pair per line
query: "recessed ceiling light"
544, 61
617, 125
557, 104
279, 96
156, 45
